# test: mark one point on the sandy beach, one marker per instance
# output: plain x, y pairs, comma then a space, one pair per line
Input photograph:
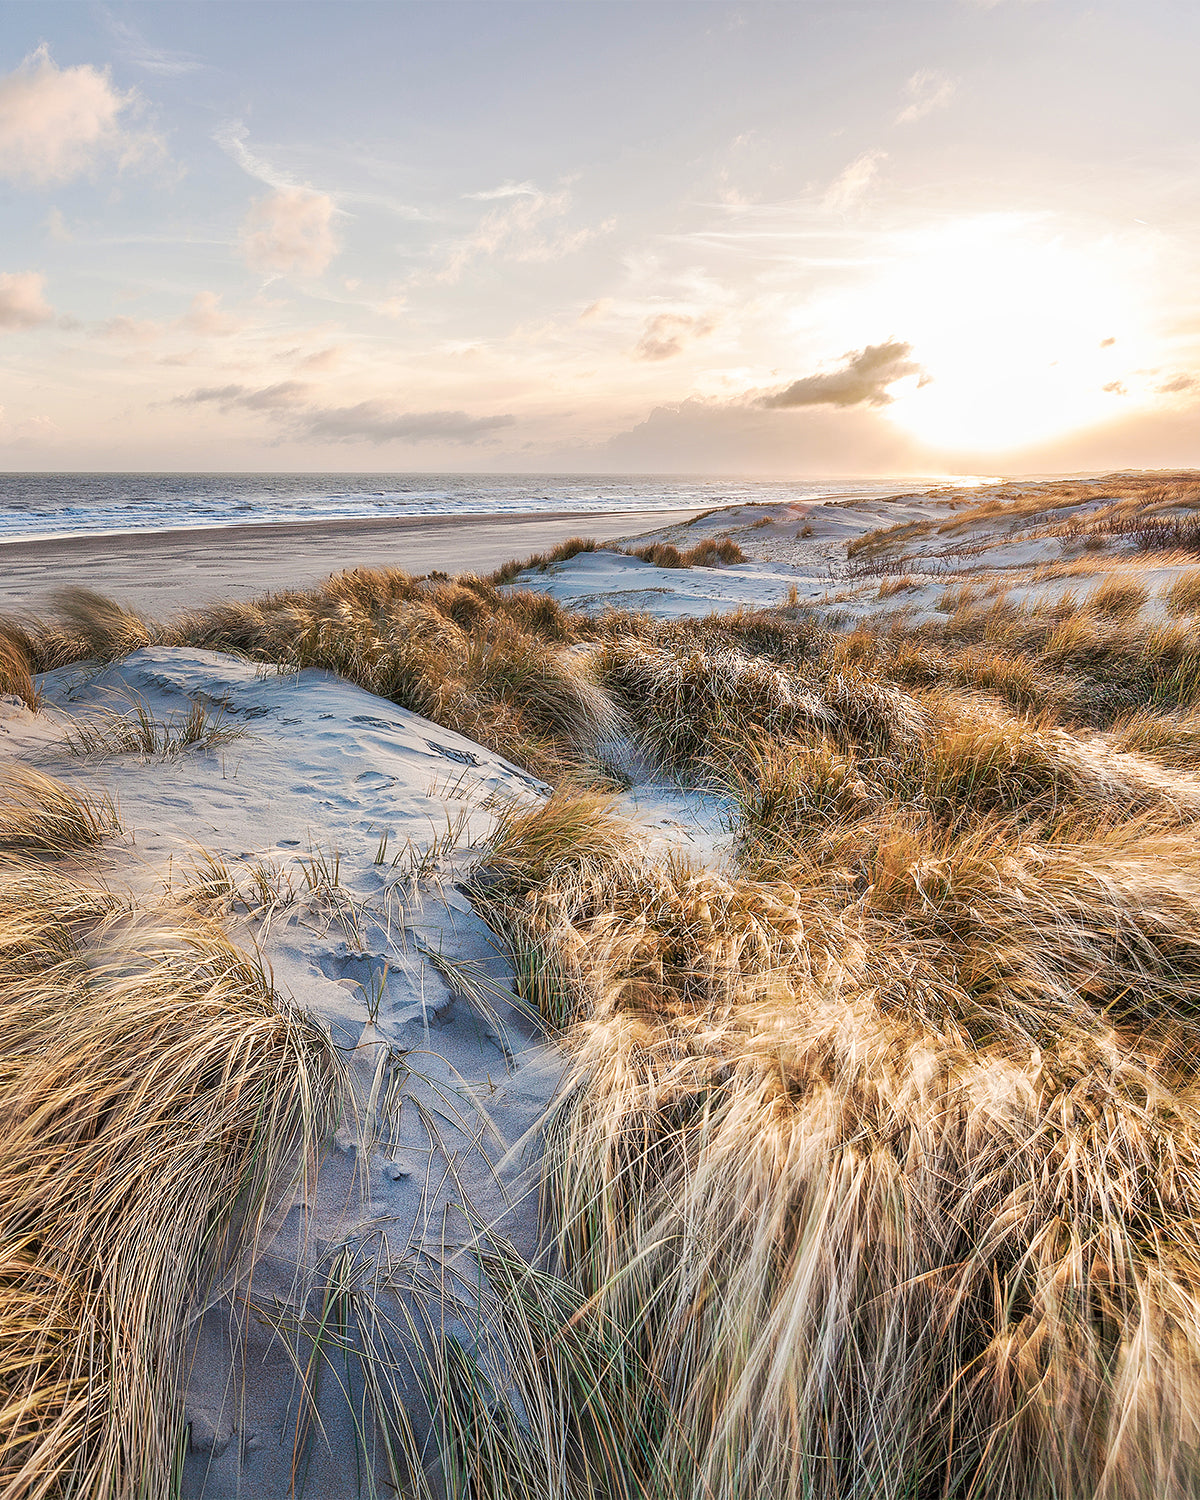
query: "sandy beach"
160, 572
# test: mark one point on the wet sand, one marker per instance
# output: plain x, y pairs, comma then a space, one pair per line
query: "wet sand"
160, 572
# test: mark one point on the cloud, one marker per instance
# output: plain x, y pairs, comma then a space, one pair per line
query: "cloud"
277, 397
722, 437
322, 359
366, 421
926, 91
1107, 343
666, 334
56, 227
142, 55
517, 231
380, 422
862, 380
1177, 383
1115, 388
850, 186
21, 302
57, 122
506, 190
232, 140
205, 317
291, 230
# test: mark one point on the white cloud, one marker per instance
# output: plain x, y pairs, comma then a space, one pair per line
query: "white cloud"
667, 334
367, 421
142, 55
56, 227
57, 122
205, 317
518, 230
322, 360
506, 190
21, 302
232, 140
291, 230
128, 330
925, 91
850, 186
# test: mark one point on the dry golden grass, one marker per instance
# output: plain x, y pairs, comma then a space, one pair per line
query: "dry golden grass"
155, 1102
1172, 739
138, 732
572, 547
877, 1172
1118, 596
16, 666
903, 584
40, 815
1183, 597
884, 1171
710, 553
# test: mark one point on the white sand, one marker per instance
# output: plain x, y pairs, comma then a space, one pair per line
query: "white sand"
324, 766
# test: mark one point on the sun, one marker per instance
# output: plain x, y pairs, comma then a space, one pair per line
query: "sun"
1022, 335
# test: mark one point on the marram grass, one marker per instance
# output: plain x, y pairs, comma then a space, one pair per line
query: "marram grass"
885, 1172
156, 1100
877, 1169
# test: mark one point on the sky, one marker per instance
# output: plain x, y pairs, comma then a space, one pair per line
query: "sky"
816, 238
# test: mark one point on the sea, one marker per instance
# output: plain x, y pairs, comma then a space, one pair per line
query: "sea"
44, 506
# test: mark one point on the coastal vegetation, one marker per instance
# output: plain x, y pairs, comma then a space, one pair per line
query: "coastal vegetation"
157, 1100
876, 1170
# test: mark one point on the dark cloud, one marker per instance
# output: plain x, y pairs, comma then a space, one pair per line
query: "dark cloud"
861, 381
367, 421
1178, 383
666, 334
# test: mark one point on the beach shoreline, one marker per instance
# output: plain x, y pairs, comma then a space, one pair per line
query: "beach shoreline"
163, 571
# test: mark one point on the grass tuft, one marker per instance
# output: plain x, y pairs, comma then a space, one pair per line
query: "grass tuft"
40, 815
156, 1101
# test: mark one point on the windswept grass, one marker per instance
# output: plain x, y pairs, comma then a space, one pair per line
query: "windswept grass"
40, 815
540, 561
16, 666
885, 1170
155, 1101
876, 1171
1183, 597
1122, 597
108, 630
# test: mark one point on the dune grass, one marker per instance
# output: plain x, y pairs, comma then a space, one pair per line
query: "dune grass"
16, 667
1183, 597
884, 1166
139, 732
877, 1168
711, 553
156, 1100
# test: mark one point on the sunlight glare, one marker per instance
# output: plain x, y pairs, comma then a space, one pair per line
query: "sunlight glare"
1010, 326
